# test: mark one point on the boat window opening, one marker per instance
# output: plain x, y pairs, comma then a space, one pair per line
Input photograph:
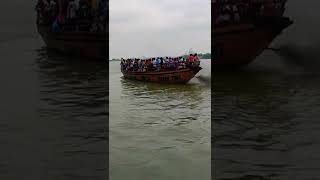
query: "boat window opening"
164, 78
217, 50
176, 77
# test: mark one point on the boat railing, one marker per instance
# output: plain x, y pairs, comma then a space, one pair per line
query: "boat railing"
238, 12
192, 66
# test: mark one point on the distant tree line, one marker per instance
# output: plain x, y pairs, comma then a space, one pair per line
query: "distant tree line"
204, 56
115, 59
201, 55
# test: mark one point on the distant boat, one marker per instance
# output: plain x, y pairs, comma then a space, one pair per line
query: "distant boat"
239, 44
92, 45
181, 76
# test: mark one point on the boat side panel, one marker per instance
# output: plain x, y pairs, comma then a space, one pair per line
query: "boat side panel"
241, 48
238, 45
176, 77
94, 46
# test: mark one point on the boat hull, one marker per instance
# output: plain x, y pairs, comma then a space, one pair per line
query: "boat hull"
80, 44
181, 76
240, 45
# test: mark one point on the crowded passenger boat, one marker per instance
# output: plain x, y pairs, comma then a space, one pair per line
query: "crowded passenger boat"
74, 27
73, 15
243, 29
161, 69
244, 11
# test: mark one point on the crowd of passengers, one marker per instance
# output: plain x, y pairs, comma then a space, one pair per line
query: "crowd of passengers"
236, 11
73, 15
159, 63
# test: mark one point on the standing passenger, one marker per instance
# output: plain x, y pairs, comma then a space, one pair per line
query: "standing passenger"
72, 9
71, 13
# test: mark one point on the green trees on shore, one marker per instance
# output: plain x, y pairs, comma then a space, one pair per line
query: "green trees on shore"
201, 55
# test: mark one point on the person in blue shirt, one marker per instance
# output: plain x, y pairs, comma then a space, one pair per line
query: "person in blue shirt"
55, 26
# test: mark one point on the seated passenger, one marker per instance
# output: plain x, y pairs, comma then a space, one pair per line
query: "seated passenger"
52, 8
196, 60
171, 63
153, 63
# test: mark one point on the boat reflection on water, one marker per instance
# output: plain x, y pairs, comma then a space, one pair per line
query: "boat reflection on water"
248, 82
138, 88
73, 111
173, 98
65, 78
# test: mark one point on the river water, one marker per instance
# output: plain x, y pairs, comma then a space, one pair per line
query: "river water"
53, 110
160, 131
266, 116
53, 114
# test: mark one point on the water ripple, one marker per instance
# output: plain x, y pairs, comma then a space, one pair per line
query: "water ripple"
265, 123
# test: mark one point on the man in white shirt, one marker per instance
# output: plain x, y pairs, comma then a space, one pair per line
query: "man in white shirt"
72, 10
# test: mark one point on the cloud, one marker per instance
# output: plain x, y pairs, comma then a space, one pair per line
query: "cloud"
156, 28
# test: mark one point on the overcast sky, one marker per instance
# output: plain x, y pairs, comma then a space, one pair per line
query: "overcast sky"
159, 27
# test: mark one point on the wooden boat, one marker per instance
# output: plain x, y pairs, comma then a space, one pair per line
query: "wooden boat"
239, 44
91, 45
181, 76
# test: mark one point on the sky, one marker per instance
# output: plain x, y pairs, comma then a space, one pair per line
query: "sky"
159, 27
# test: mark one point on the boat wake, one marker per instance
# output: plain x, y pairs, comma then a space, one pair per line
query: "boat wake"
204, 79
304, 57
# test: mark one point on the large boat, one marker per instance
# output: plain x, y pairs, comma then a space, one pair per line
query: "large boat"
91, 45
67, 31
181, 76
239, 43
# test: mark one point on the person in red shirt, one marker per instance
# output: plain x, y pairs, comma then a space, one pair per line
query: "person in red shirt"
196, 58
191, 58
